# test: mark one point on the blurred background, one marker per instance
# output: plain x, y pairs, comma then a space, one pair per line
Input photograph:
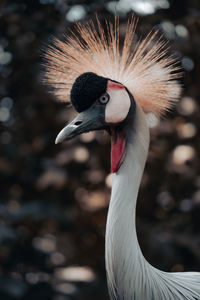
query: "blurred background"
54, 198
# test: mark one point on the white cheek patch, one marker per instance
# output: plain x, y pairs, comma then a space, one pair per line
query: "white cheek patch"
118, 105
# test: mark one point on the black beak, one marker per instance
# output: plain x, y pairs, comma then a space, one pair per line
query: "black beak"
91, 119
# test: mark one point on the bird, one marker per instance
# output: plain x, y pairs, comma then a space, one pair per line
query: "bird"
113, 87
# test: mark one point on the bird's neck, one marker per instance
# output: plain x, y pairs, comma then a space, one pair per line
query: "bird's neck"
123, 253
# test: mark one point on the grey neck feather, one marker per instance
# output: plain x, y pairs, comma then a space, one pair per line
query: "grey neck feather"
129, 275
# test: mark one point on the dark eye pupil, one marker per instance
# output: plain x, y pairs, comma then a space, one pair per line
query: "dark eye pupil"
104, 98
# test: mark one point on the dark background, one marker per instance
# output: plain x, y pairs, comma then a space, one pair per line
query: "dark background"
54, 198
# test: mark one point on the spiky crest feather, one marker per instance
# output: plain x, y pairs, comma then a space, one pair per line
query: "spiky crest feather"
144, 68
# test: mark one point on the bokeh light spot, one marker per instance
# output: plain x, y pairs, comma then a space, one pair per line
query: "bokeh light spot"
46, 244
52, 177
143, 7
183, 153
76, 273
66, 288
187, 63
95, 176
187, 130
187, 106
87, 137
186, 205
32, 278
91, 201
5, 58
81, 154
108, 180
168, 28
4, 114
164, 199
76, 13
7, 102
13, 206
196, 197
181, 31
57, 258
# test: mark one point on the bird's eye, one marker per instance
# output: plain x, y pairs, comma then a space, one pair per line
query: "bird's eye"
104, 98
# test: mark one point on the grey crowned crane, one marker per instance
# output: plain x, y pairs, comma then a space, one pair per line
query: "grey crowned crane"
113, 90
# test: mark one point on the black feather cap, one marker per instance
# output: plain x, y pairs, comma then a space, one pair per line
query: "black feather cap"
87, 88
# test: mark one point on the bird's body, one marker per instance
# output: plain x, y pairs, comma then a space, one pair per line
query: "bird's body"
126, 85
123, 255
130, 276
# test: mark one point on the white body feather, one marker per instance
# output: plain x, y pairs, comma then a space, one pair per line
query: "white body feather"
130, 276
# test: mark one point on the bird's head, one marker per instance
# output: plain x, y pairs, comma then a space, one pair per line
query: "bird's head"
101, 103
139, 76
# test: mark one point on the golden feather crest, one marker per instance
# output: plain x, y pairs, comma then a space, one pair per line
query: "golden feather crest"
144, 68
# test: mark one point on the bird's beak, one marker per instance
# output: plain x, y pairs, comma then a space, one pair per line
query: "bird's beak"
88, 120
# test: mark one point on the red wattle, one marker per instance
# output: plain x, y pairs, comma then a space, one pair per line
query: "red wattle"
117, 151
